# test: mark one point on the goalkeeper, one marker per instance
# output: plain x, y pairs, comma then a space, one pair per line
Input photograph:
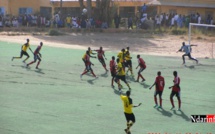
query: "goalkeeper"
187, 49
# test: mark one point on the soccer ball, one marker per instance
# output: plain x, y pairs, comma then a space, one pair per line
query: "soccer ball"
84, 11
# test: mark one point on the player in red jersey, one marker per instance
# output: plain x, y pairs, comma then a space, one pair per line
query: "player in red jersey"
159, 86
175, 91
142, 65
113, 69
88, 64
37, 56
101, 56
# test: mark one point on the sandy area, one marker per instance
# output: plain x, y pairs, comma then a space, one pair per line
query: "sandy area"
165, 45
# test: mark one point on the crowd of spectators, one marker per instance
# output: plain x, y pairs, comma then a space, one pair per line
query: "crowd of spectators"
179, 21
161, 20
27, 20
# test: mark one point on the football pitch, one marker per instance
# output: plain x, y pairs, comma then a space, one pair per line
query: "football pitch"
54, 100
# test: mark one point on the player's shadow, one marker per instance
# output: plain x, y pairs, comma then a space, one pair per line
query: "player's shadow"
116, 91
145, 85
91, 81
39, 71
22, 66
182, 114
104, 74
164, 112
130, 78
190, 67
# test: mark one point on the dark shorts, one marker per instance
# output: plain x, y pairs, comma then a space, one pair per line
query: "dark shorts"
101, 60
113, 74
119, 77
158, 93
23, 53
36, 57
130, 117
173, 93
128, 63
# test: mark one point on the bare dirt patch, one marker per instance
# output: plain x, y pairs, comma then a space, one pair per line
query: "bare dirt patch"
165, 45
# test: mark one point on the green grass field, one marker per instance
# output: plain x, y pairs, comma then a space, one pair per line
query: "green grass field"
54, 100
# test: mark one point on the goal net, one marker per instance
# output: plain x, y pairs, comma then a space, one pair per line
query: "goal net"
203, 36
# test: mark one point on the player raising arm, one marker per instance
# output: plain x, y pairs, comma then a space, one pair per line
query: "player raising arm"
101, 56
88, 64
187, 50
128, 105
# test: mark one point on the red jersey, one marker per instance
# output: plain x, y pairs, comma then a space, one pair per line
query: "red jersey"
37, 50
112, 66
87, 59
100, 53
141, 63
176, 86
160, 83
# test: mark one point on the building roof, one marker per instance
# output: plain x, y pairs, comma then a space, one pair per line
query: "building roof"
112, 0
182, 4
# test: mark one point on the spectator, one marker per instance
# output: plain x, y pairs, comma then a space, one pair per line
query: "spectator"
1, 21
48, 23
15, 22
199, 19
144, 8
98, 24
8, 23
104, 25
211, 21
158, 21
92, 22
130, 23
117, 20
172, 22
167, 20
68, 21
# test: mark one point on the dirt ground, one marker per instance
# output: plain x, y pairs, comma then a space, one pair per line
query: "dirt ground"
165, 45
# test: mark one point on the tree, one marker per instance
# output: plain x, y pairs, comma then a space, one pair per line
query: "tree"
81, 2
103, 10
89, 8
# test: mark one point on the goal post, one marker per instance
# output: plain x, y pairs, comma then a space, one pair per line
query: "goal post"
199, 25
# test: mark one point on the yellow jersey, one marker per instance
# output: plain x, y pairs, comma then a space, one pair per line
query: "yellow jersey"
25, 47
68, 19
86, 54
127, 103
121, 56
120, 69
127, 55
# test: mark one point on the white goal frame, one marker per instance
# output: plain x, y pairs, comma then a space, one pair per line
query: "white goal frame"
201, 25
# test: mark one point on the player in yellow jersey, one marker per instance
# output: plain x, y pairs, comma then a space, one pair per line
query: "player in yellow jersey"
128, 62
24, 49
128, 105
121, 56
120, 75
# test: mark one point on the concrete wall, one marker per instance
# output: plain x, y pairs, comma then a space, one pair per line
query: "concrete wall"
5, 4
16, 4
